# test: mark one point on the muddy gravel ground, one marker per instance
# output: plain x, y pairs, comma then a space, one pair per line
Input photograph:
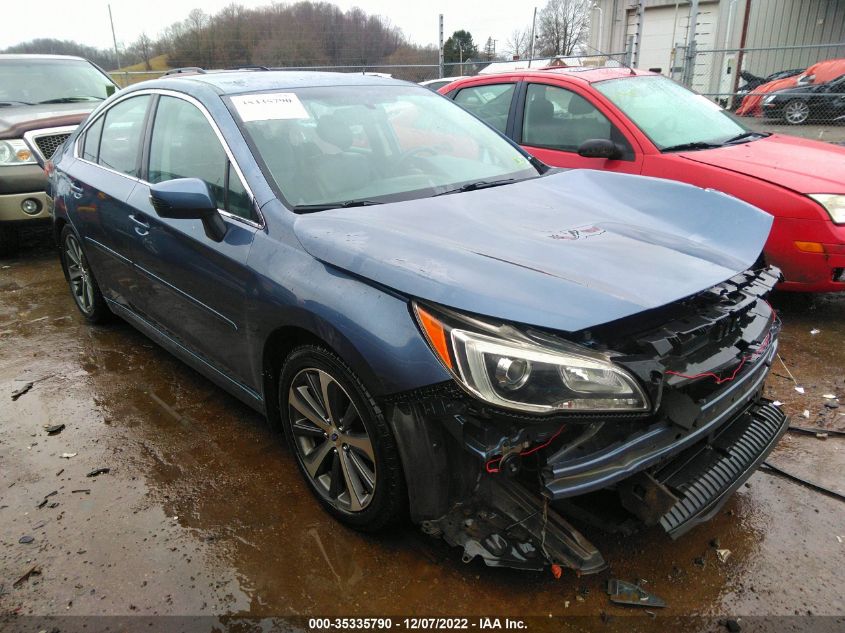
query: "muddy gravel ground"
203, 513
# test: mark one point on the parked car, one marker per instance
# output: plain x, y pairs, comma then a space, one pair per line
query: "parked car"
819, 73
641, 123
814, 102
42, 99
752, 82
461, 336
437, 84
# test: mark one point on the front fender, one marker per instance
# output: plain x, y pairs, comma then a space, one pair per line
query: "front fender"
370, 328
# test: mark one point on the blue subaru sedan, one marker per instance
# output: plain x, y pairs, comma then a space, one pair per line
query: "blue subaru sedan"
445, 329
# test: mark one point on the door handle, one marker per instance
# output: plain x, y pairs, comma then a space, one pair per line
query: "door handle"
142, 227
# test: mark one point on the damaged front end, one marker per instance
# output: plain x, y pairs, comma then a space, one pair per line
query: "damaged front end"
663, 410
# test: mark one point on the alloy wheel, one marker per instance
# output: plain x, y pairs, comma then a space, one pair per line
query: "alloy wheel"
332, 441
796, 112
79, 275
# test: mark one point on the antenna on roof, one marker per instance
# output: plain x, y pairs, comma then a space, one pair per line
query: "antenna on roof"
603, 54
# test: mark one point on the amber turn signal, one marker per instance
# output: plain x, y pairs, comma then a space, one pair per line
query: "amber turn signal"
809, 247
436, 335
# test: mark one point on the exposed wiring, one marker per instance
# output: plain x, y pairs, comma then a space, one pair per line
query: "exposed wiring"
764, 345
491, 467
720, 379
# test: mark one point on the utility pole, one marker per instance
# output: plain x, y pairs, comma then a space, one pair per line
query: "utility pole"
533, 26
691, 44
441, 47
596, 7
114, 39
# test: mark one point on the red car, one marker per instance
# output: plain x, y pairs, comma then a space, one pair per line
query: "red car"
643, 123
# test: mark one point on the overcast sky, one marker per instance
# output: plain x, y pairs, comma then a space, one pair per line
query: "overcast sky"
87, 21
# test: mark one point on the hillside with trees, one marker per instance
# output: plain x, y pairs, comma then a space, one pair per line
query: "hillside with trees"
309, 33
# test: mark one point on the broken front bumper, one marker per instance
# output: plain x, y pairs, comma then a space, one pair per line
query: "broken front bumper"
705, 476
566, 477
704, 362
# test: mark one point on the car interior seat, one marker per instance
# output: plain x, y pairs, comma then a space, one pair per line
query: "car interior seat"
338, 170
540, 126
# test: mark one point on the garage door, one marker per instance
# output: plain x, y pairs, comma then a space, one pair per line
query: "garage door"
665, 26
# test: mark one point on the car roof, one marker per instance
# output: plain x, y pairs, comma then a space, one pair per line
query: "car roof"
588, 74
245, 81
24, 56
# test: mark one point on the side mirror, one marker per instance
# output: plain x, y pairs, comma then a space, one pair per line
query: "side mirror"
188, 199
600, 148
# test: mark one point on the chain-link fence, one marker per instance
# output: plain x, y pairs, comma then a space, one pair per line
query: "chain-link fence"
417, 73
795, 89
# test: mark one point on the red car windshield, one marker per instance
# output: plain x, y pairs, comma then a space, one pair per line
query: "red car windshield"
669, 114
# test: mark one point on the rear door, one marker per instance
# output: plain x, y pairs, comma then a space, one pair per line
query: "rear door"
191, 286
101, 181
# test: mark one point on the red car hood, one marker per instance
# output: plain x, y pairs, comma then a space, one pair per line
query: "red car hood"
799, 164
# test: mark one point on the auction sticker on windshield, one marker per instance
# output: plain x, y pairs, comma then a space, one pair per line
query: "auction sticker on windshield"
269, 107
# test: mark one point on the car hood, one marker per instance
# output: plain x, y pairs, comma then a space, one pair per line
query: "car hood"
15, 120
799, 164
566, 251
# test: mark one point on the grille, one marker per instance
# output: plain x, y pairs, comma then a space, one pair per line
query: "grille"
49, 143
705, 480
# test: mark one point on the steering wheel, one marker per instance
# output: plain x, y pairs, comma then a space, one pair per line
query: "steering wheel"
668, 125
408, 155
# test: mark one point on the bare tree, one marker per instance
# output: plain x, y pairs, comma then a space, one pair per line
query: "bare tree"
563, 25
519, 43
143, 48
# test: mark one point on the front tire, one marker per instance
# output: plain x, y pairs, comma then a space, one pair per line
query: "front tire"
83, 285
344, 447
796, 112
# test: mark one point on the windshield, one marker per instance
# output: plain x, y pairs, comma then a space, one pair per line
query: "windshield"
31, 81
669, 114
326, 146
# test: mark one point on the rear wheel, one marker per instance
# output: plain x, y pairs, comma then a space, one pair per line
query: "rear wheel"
796, 112
83, 285
343, 444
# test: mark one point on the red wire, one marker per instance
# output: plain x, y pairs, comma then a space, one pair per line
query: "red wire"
491, 469
719, 380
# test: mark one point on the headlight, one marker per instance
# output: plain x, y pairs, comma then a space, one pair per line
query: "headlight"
15, 152
833, 203
769, 99
535, 374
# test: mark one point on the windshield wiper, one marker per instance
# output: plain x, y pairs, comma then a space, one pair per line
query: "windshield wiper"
694, 145
7, 102
70, 100
325, 206
480, 184
743, 136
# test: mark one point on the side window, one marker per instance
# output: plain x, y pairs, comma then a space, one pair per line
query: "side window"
490, 103
184, 145
560, 119
237, 199
123, 128
91, 143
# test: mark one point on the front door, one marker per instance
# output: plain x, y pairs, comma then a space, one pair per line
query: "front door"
552, 122
192, 287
